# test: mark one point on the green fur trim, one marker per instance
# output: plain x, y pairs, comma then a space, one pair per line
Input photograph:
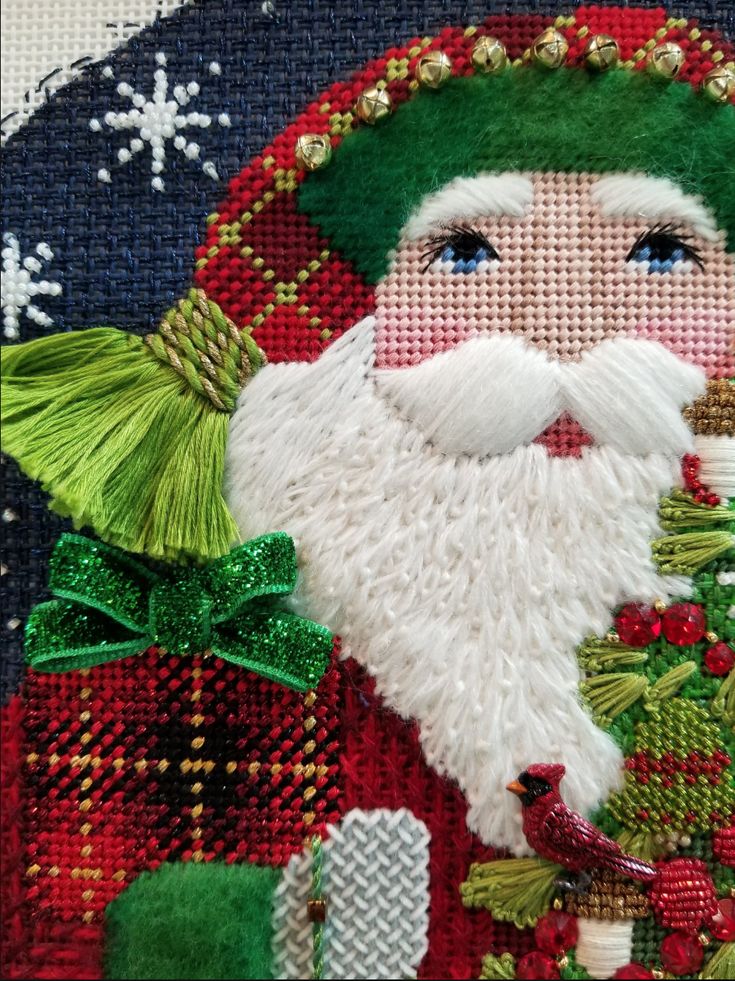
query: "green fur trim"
193, 920
569, 120
120, 441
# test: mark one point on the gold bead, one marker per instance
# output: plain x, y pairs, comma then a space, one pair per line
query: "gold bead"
373, 105
711, 636
659, 606
666, 60
601, 52
550, 48
313, 151
316, 910
719, 83
433, 69
489, 55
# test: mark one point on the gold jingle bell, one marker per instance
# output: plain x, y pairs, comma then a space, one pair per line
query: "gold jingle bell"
719, 83
550, 48
489, 55
601, 52
666, 60
373, 104
313, 151
433, 69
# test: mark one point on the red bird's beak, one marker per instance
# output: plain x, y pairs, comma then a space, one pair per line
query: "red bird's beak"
517, 788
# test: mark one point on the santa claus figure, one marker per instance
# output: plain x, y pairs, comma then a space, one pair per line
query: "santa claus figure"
494, 281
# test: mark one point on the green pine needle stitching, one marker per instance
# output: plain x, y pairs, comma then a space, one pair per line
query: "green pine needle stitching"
502, 967
721, 966
681, 511
611, 694
119, 441
515, 890
669, 684
687, 552
595, 654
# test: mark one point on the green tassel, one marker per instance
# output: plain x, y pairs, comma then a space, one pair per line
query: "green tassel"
601, 654
642, 844
502, 967
680, 510
723, 704
688, 552
611, 694
670, 683
123, 441
721, 966
515, 890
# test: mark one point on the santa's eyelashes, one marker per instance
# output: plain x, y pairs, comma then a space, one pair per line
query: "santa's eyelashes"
661, 248
460, 249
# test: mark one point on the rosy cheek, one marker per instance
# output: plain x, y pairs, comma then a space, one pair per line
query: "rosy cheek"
704, 339
408, 334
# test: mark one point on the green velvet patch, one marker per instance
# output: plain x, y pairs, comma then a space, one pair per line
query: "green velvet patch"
189, 920
524, 119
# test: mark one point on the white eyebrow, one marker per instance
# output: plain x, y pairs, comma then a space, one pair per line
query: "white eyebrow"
641, 196
470, 197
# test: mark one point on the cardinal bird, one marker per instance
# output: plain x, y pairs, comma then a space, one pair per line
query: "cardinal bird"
561, 835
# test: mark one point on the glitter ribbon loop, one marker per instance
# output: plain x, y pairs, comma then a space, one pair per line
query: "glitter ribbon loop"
109, 606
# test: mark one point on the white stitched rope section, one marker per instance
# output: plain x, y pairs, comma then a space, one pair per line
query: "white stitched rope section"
376, 884
604, 946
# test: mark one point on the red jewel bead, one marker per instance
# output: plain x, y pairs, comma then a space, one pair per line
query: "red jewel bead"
556, 932
537, 966
720, 658
722, 925
681, 954
638, 624
684, 623
632, 971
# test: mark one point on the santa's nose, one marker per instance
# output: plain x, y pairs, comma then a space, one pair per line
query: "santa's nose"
562, 305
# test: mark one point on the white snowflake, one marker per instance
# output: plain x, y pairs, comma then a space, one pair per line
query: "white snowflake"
18, 286
158, 120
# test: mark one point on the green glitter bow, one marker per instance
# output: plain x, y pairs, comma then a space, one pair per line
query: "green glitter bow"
109, 606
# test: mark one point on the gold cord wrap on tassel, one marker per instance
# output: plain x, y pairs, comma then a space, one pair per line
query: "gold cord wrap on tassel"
206, 348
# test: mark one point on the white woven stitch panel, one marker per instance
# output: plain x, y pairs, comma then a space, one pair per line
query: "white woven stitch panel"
376, 882
46, 43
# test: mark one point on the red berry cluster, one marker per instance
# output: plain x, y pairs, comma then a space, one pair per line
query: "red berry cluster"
681, 954
690, 471
683, 896
638, 624
555, 933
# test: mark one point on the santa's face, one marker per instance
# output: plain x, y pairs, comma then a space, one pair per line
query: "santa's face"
459, 559
543, 275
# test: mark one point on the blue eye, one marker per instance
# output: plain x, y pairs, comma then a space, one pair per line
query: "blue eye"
661, 248
461, 250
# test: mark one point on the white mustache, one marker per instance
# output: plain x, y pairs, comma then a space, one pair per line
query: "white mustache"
495, 392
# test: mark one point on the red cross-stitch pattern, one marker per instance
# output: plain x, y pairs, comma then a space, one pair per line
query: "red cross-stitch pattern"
153, 759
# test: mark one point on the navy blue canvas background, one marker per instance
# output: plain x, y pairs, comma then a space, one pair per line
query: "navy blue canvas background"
123, 252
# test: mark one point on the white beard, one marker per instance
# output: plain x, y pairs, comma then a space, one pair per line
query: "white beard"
463, 585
